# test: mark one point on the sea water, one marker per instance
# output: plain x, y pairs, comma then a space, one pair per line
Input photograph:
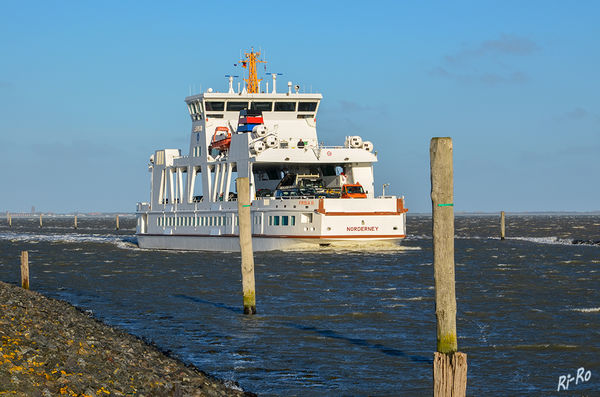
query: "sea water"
342, 321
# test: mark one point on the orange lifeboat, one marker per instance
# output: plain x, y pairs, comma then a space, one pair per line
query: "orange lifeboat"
221, 139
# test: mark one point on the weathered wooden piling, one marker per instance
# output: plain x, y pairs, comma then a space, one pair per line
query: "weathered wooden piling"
245, 230
75, 222
9, 218
502, 224
449, 374
25, 269
41, 222
117, 222
449, 366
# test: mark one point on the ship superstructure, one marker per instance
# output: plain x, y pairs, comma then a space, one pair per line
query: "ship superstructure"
302, 192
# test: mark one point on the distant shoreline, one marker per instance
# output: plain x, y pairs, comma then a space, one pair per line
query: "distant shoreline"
516, 213
59, 215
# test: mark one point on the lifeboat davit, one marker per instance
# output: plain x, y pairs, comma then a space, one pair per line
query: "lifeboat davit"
221, 139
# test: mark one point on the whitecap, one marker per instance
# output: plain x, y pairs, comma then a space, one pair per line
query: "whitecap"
587, 310
124, 242
544, 240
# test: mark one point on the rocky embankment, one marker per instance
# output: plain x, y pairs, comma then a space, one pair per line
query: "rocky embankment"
50, 348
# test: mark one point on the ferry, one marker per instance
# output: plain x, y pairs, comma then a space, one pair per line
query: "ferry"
303, 194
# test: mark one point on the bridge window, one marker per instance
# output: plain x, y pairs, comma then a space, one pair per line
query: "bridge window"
307, 106
236, 106
285, 106
215, 106
262, 106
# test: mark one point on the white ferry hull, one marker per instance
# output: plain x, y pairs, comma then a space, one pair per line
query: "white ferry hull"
231, 243
276, 225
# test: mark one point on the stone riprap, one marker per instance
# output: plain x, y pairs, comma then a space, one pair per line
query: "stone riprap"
50, 348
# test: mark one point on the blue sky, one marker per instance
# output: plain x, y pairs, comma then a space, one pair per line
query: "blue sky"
88, 90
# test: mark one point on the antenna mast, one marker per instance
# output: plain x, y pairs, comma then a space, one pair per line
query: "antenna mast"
250, 63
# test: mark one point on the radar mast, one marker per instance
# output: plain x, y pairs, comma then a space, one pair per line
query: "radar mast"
249, 63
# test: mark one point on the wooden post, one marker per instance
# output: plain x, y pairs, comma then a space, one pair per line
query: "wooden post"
245, 230
75, 222
9, 219
449, 374
117, 220
502, 223
41, 223
449, 366
25, 269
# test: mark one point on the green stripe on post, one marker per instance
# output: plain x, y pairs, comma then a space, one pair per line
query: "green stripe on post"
446, 205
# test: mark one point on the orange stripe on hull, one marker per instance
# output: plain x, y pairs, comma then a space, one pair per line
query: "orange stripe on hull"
359, 213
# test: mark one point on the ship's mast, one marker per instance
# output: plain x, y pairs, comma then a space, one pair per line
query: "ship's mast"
250, 63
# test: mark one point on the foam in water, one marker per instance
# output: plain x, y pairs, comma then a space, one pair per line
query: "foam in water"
124, 242
587, 310
544, 240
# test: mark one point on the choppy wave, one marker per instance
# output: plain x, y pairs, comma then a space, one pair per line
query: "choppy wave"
553, 240
125, 242
587, 309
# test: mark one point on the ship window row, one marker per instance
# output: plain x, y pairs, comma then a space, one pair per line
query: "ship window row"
284, 220
175, 221
265, 106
